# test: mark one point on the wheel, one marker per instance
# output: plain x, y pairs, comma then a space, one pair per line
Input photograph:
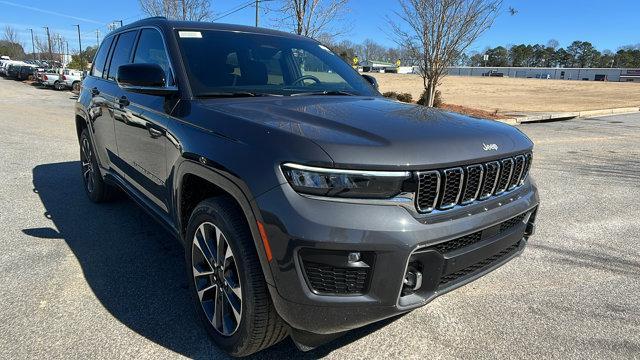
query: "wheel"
94, 185
226, 280
76, 87
58, 85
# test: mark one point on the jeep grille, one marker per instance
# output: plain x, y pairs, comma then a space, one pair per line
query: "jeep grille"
446, 188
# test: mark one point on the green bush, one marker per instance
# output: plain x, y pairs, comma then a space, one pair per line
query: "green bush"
405, 97
390, 94
437, 101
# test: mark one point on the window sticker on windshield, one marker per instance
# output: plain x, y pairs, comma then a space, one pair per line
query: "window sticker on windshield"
190, 34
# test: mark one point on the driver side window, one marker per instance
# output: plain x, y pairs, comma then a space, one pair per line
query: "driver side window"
151, 50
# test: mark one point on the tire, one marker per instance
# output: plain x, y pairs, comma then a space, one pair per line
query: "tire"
259, 325
76, 87
94, 185
58, 85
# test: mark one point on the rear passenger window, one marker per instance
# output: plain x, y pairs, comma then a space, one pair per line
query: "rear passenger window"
101, 58
121, 53
151, 50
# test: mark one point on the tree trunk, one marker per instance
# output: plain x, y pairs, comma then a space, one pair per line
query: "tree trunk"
431, 92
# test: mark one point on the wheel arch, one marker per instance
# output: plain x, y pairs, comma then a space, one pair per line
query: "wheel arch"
191, 173
81, 123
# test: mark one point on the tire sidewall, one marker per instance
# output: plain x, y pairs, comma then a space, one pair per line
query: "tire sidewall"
209, 211
97, 178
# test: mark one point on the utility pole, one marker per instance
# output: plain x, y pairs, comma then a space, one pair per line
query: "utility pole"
257, 11
67, 53
33, 46
97, 37
120, 21
80, 44
49, 41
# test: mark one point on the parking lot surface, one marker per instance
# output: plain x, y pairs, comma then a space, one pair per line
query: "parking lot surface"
80, 280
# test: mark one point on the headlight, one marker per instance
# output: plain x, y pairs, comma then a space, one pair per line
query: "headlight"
344, 183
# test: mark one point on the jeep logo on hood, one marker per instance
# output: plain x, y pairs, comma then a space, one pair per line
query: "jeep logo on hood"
489, 147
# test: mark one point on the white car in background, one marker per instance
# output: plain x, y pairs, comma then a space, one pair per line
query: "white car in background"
50, 79
71, 79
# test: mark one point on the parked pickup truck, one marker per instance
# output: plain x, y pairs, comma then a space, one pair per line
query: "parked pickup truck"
61, 79
50, 79
71, 79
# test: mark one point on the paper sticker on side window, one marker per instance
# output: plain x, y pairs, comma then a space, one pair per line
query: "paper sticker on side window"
190, 34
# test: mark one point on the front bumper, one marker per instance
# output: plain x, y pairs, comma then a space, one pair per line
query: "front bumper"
396, 237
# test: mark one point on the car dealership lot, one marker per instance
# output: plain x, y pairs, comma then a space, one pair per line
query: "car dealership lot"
82, 280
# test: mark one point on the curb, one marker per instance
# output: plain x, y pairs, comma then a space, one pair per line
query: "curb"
570, 115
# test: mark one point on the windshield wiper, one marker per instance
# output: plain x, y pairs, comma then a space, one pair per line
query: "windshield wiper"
234, 94
326, 92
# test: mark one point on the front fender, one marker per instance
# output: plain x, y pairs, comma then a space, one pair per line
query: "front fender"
233, 186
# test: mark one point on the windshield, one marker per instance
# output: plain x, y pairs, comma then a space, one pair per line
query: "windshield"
220, 63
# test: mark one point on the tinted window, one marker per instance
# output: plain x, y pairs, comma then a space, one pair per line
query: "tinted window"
151, 50
225, 62
101, 58
121, 53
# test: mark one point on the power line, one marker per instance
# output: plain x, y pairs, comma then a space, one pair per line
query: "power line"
238, 8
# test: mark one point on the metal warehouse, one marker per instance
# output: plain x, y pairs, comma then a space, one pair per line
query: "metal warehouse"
588, 74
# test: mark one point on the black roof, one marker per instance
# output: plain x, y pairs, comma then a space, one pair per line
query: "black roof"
161, 21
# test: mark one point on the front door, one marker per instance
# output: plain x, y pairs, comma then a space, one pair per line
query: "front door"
141, 127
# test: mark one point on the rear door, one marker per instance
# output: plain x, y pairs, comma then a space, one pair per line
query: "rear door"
98, 109
142, 132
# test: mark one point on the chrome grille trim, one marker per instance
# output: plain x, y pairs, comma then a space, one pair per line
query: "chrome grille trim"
449, 182
510, 173
503, 183
519, 167
421, 178
528, 158
465, 196
487, 194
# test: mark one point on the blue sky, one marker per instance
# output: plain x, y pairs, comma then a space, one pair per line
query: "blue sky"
607, 24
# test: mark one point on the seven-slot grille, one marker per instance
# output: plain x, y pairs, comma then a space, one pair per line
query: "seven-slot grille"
444, 189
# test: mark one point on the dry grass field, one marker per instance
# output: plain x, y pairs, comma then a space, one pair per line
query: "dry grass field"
520, 95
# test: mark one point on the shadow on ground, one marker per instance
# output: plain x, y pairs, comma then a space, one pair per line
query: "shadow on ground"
136, 269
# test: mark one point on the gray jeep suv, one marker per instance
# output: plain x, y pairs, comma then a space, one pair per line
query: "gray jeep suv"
308, 204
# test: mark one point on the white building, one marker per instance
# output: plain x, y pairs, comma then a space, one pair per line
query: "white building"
587, 74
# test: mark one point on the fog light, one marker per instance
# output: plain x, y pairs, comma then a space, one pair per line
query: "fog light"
413, 280
353, 257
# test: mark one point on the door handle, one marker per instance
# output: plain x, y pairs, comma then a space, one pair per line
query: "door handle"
95, 91
155, 133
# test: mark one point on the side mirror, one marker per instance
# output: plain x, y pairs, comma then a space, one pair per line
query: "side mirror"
371, 80
144, 78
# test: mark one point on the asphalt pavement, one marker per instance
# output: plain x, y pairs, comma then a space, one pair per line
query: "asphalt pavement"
80, 280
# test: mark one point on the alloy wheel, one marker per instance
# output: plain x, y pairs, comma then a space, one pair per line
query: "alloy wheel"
216, 278
87, 165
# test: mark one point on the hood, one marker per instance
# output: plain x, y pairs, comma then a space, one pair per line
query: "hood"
372, 132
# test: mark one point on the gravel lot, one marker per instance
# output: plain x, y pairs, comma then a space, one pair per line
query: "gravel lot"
80, 280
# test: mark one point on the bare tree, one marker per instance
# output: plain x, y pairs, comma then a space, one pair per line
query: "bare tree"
193, 10
436, 32
11, 35
371, 50
11, 45
313, 18
58, 46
